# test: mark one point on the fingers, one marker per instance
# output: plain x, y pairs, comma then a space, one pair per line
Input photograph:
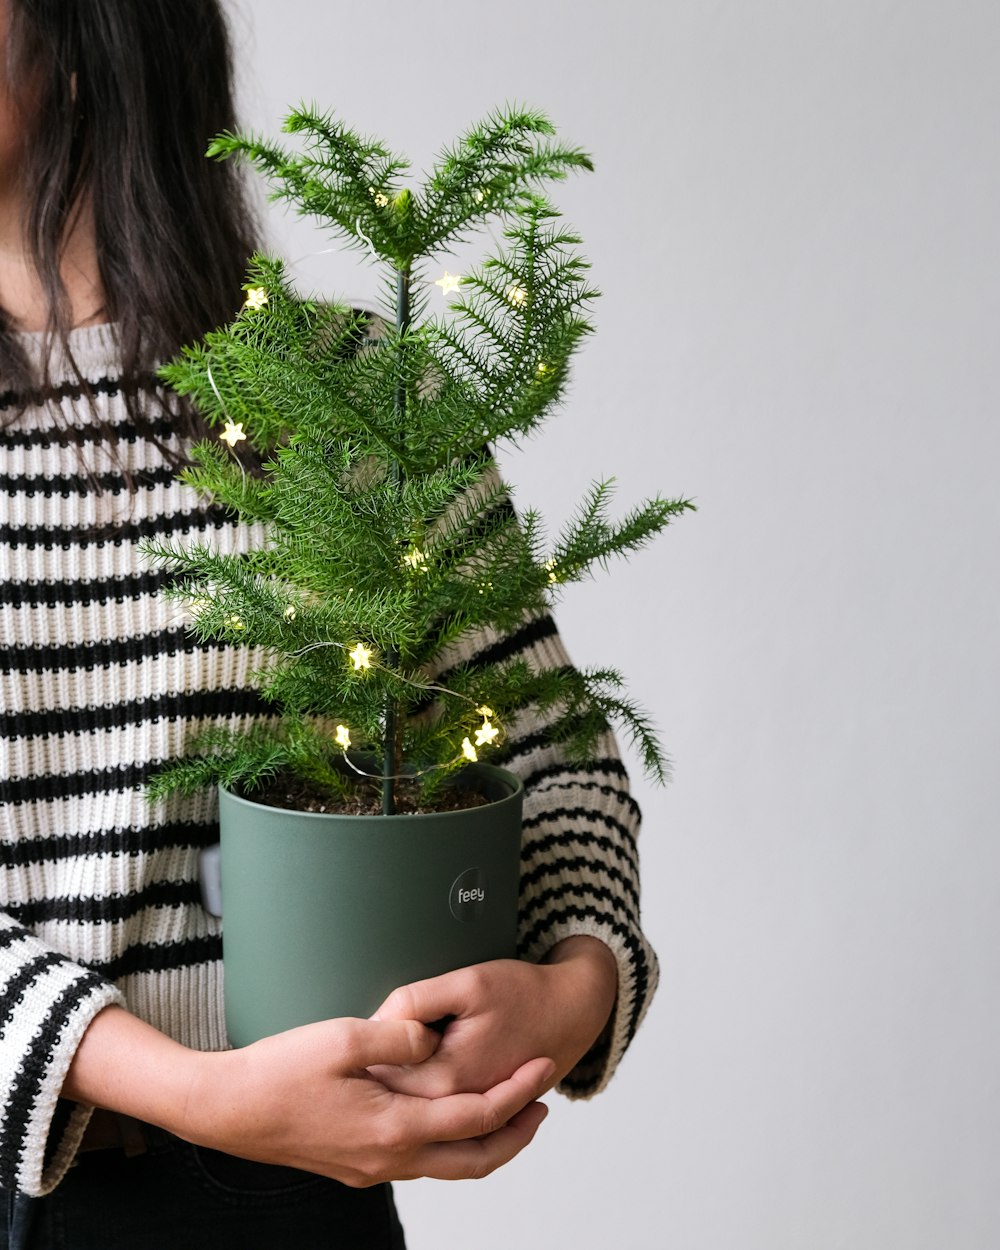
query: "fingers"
476, 1158
459, 1117
432, 1079
471, 1135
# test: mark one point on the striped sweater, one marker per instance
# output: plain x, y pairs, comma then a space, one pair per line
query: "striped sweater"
100, 682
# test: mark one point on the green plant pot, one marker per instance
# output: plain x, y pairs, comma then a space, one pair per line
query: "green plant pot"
325, 914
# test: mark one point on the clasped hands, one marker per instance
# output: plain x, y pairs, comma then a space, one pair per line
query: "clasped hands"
388, 1098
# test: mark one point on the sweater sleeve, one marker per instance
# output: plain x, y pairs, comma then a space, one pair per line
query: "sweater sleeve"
579, 857
46, 1005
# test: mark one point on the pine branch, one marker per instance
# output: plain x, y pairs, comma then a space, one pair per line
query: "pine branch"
591, 538
489, 169
237, 759
340, 187
214, 474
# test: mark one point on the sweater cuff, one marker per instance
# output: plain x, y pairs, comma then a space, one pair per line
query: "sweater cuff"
47, 1002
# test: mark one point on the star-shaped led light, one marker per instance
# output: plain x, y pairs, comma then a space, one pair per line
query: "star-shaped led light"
361, 657
450, 282
416, 560
290, 612
233, 433
468, 750
485, 734
256, 298
234, 622
485, 712
342, 737
517, 295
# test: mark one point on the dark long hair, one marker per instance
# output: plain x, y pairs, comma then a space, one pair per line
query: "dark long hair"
124, 96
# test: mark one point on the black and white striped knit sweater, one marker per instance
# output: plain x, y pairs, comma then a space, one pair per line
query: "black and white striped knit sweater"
100, 681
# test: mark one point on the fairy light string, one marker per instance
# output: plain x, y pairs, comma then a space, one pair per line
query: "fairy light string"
361, 235
364, 659
233, 431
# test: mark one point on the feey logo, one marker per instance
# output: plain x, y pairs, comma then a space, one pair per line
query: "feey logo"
467, 898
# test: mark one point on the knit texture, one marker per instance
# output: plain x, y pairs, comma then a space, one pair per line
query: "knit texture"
100, 683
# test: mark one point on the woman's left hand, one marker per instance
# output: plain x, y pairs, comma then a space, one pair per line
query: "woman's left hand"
503, 1013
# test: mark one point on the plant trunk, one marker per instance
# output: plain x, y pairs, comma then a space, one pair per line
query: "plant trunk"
392, 753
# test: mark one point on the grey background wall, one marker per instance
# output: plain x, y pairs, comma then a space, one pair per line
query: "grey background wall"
795, 222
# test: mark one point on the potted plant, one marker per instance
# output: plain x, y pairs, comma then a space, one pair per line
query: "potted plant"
366, 838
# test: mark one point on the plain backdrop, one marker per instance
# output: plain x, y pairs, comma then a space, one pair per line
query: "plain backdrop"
794, 221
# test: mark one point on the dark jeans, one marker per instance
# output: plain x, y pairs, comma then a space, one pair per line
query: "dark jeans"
181, 1196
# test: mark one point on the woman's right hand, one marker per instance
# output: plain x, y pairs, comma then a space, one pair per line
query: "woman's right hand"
304, 1099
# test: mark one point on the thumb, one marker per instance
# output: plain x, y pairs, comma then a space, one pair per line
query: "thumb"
391, 1041
426, 1001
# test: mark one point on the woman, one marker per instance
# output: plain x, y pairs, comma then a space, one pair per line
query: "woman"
119, 242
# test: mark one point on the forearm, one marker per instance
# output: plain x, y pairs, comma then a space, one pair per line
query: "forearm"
126, 1065
587, 988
